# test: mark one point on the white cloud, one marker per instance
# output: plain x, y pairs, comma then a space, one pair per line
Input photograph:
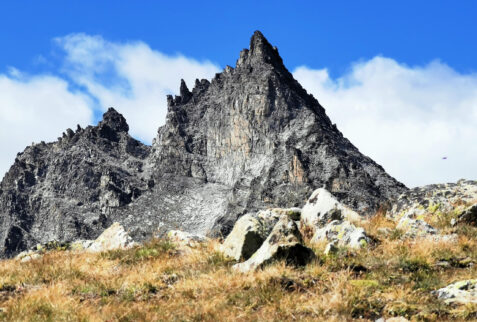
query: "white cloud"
405, 118
36, 108
131, 77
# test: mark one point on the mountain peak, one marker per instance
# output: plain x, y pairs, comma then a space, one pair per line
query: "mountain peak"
114, 120
260, 52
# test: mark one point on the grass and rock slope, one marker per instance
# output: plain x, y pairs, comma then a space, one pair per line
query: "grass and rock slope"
393, 276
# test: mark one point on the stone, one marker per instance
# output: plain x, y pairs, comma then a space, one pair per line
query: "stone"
462, 292
251, 138
115, 237
245, 238
31, 257
342, 233
418, 228
27, 256
393, 319
415, 227
321, 208
330, 248
468, 216
251, 230
81, 245
183, 238
283, 243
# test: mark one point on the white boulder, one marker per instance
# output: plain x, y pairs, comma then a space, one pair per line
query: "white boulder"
321, 208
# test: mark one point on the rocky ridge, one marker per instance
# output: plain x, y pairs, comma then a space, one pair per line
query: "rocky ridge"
249, 139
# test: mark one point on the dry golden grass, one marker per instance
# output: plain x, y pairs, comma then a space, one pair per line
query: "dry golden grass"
160, 281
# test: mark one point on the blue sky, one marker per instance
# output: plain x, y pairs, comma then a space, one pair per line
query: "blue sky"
314, 33
399, 79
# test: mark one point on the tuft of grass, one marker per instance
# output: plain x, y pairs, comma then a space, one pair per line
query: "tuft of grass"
151, 250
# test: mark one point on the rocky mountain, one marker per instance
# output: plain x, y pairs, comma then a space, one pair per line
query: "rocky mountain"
251, 138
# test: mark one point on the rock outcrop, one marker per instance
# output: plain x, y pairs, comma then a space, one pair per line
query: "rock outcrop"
436, 198
67, 190
251, 138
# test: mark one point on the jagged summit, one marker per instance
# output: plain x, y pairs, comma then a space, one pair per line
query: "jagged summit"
250, 138
114, 120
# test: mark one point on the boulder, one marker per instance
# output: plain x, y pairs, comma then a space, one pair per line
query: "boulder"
251, 230
244, 239
461, 292
115, 237
283, 243
343, 233
321, 208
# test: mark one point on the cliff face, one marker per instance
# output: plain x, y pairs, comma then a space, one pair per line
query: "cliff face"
66, 190
250, 138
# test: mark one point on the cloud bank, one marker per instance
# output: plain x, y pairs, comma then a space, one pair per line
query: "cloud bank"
36, 108
407, 118
419, 123
94, 75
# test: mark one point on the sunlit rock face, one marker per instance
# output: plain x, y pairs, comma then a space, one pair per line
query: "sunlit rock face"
252, 138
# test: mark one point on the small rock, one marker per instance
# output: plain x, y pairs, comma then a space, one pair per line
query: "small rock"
330, 248
80, 245
461, 292
468, 216
453, 222
30, 257
185, 237
343, 233
415, 227
112, 238
393, 319
283, 243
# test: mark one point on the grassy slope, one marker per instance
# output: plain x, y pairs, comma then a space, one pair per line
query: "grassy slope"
160, 281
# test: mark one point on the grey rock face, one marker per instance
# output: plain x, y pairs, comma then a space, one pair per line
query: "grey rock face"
250, 139
66, 190
259, 140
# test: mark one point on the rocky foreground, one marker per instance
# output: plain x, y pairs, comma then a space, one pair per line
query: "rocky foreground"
319, 262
